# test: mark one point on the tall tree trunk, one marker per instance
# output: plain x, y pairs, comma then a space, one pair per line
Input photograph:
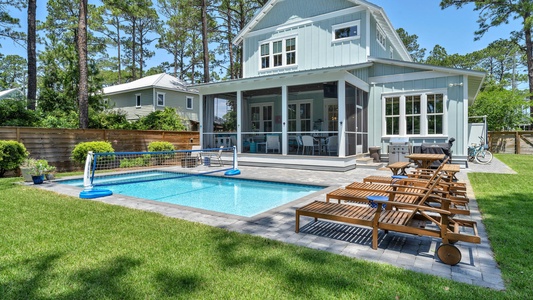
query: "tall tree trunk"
83, 90
118, 51
32, 55
529, 52
133, 47
205, 41
230, 46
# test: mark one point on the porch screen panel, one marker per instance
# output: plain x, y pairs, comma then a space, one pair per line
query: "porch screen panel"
267, 118
292, 117
351, 119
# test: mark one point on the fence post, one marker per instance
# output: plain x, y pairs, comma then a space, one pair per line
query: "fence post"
517, 142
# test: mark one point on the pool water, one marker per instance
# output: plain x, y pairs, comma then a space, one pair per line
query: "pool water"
221, 194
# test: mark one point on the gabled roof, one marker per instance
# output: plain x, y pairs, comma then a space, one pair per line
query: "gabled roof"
4, 94
376, 11
160, 81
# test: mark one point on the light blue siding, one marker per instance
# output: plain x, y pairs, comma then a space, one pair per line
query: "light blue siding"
455, 107
291, 10
314, 48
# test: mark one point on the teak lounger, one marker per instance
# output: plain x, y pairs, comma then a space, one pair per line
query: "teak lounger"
409, 218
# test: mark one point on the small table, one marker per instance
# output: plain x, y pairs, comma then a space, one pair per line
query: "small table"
424, 160
450, 171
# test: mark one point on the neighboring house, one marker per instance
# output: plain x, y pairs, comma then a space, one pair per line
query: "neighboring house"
12, 94
335, 68
143, 96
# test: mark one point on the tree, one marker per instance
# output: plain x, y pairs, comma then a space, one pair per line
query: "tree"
12, 71
32, 54
83, 91
7, 22
505, 109
497, 12
411, 43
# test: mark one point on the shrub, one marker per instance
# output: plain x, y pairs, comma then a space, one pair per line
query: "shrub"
12, 154
160, 146
141, 161
167, 119
13, 112
79, 154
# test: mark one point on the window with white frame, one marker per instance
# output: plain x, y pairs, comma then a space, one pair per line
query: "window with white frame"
346, 31
160, 99
137, 100
435, 113
278, 53
189, 102
262, 117
414, 114
380, 37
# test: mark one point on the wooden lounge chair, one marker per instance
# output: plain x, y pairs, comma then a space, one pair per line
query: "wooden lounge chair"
408, 218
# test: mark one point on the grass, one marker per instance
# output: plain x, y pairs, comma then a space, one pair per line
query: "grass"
59, 247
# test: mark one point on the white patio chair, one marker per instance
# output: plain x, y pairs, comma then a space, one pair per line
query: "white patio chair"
197, 155
332, 144
272, 143
309, 141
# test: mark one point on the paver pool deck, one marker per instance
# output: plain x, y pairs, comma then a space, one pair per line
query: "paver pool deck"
477, 266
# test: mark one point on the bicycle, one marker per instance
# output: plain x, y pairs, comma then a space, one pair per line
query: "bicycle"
479, 153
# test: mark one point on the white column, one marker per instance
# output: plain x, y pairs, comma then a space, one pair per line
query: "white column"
239, 121
284, 119
201, 118
342, 117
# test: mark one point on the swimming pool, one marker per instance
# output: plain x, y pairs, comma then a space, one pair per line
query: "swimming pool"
234, 196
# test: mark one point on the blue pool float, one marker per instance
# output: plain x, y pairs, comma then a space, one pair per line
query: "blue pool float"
91, 194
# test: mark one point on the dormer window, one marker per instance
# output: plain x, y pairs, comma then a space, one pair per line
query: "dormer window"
278, 53
346, 31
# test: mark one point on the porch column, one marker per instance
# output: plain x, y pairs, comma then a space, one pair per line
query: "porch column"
239, 121
342, 116
201, 118
284, 120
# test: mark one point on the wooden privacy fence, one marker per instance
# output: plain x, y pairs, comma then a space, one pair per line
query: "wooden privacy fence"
56, 145
517, 142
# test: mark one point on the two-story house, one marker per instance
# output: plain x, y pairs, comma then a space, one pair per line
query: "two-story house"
337, 71
155, 92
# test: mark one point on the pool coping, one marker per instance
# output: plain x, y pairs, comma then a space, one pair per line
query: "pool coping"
406, 251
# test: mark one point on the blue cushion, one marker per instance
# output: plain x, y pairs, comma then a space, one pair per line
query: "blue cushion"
373, 198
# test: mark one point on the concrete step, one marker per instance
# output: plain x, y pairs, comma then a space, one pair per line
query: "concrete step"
368, 163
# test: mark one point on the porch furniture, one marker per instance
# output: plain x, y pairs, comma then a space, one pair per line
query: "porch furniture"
272, 143
449, 169
197, 155
217, 156
224, 141
332, 144
398, 168
300, 144
308, 141
409, 218
423, 160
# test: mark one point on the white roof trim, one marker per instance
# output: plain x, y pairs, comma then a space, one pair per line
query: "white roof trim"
427, 67
376, 11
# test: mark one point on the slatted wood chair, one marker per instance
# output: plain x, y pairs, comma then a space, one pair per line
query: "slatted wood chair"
408, 218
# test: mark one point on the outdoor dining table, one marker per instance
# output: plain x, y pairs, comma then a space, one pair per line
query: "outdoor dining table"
424, 160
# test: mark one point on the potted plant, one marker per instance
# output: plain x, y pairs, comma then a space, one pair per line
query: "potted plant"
49, 172
37, 171
26, 167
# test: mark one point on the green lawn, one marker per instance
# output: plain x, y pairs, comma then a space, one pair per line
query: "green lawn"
59, 247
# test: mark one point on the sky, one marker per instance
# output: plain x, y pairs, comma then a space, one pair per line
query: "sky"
451, 28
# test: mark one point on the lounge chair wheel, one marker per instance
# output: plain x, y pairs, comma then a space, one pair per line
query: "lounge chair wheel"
449, 254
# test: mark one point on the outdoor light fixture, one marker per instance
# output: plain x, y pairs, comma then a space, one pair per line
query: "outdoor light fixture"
455, 84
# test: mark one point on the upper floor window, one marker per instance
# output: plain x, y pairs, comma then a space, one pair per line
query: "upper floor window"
380, 37
415, 114
346, 31
278, 53
189, 101
137, 100
160, 99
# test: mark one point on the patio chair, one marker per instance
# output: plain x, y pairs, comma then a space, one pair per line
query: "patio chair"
300, 144
272, 143
308, 141
217, 156
332, 144
197, 155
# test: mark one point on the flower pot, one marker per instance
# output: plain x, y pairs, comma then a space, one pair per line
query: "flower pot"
25, 171
37, 179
